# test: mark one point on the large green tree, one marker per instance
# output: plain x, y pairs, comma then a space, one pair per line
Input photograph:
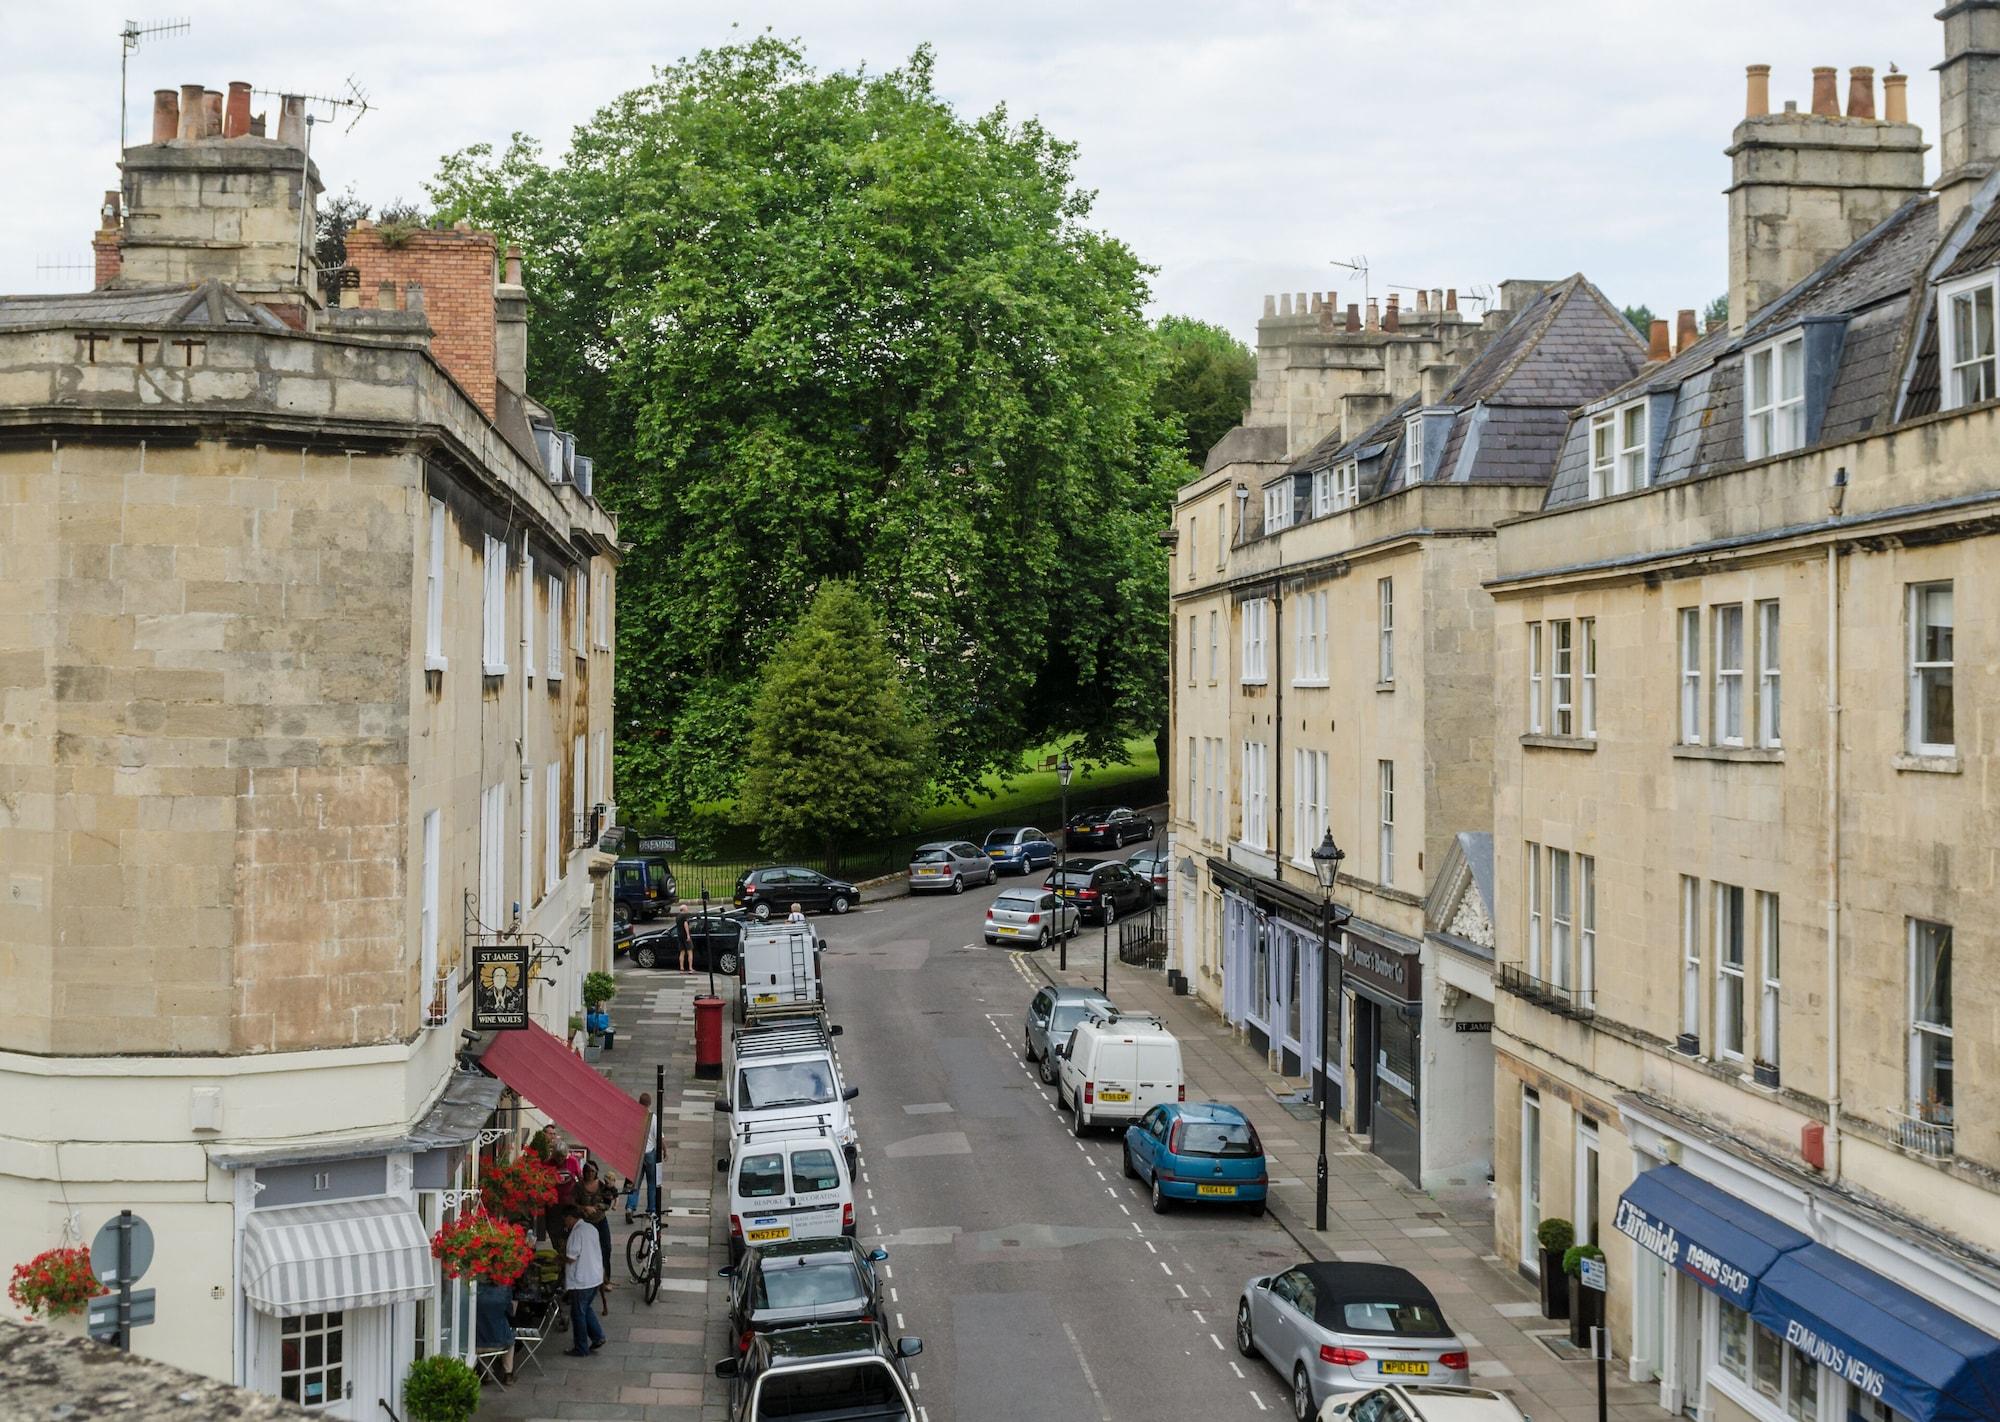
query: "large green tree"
819, 326
1203, 382
833, 751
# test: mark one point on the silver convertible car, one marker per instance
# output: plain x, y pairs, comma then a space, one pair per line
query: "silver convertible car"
1340, 1327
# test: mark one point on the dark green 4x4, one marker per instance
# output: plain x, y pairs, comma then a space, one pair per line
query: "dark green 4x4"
830, 1372
643, 888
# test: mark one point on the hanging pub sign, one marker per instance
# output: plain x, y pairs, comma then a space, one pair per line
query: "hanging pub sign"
499, 987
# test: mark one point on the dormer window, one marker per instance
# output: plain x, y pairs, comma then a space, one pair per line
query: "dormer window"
1413, 441
1618, 450
1966, 318
1774, 397
1336, 487
1348, 490
1278, 506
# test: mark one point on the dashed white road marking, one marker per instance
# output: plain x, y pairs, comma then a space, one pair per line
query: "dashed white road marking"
1258, 1400
1211, 1338
1181, 1287
1234, 1369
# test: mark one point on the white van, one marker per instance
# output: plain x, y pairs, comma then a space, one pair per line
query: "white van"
779, 973
786, 1184
785, 1077
1117, 1067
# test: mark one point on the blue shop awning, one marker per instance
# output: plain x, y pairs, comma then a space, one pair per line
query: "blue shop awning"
1926, 1363
1705, 1232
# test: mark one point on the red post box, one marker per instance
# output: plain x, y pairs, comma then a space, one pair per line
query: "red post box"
708, 1037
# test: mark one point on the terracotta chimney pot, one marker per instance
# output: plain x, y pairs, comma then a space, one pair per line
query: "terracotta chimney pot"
1423, 300
1861, 92
1826, 91
190, 124
512, 270
236, 111
1895, 96
1353, 317
1451, 298
1392, 319
166, 115
1757, 98
1659, 350
1686, 332
211, 113
1374, 314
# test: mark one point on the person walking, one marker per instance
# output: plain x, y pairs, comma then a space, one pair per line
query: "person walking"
687, 944
583, 1276
649, 1169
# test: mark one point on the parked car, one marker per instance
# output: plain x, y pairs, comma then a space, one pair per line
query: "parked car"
715, 938
774, 890
802, 1281
785, 1183
1151, 865
950, 865
1101, 889
1339, 1327
1201, 1152
644, 888
1053, 1014
1022, 849
822, 1372
1422, 1404
1116, 1067
1106, 829
1033, 916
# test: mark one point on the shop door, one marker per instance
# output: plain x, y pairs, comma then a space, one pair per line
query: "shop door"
1363, 1062
1398, 1134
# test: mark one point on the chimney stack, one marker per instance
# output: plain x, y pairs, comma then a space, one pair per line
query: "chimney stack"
1861, 92
166, 115
1895, 96
1969, 103
1826, 91
1687, 332
510, 324
236, 112
1757, 101
1659, 350
190, 124
1353, 318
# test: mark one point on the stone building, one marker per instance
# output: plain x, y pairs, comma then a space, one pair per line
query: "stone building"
305, 684
1332, 673
1744, 794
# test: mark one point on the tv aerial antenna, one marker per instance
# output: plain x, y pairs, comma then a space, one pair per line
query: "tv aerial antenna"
356, 98
135, 33
1356, 264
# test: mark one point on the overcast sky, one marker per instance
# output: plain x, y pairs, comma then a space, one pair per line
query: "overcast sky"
1238, 147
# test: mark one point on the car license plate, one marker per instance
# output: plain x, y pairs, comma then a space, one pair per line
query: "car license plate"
1417, 1370
1215, 1189
765, 999
1005, 928
1114, 1096
765, 1236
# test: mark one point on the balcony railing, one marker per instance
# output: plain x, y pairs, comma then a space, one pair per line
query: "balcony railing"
588, 827
1562, 998
1922, 1137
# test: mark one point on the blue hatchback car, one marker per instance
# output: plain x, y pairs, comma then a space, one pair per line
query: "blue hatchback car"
1202, 1152
1020, 849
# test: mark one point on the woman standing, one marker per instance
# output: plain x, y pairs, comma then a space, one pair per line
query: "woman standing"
593, 1201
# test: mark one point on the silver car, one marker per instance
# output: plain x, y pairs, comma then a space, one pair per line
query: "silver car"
1053, 1014
1340, 1327
950, 864
1031, 917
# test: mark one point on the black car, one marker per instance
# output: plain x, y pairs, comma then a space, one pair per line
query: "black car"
718, 936
822, 1372
1106, 829
1101, 889
768, 892
644, 888
802, 1281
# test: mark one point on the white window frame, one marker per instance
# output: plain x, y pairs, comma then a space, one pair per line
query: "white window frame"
1193, 809
1587, 639
1691, 957
434, 657
1255, 620
1278, 506
1193, 647
1535, 636
1967, 377
1634, 429
493, 621
1413, 440
1774, 419
1589, 1180
1770, 685
1309, 640
1385, 773
1255, 785
579, 784
1349, 492
1769, 972
1732, 931
600, 779
1690, 660
601, 611
1930, 1040
555, 667
1531, 1177
1536, 911
1322, 491
1194, 522
1603, 453
1214, 646
531, 885
1586, 938
427, 922
1385, 631
1561, 923
552, 855
492, 879
1309, 802
579, 625
1727, 716
1923, 673
1562, 677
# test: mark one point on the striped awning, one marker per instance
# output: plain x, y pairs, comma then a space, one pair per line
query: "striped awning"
340, 1255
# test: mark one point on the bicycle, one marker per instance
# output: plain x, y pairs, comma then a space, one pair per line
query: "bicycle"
642, 1257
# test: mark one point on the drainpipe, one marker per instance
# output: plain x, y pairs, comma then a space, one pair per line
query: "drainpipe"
1833, 855
1277, 665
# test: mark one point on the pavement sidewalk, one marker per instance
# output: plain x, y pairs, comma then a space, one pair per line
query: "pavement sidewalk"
657, 1363
1375, 1214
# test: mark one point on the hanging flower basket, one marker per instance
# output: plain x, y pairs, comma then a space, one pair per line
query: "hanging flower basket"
56, 1283
518, 1189
478, 1246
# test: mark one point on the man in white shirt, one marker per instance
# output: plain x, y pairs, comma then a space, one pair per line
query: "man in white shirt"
649, 1170
583, 1275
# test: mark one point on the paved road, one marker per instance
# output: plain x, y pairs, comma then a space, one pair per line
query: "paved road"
1039, 1280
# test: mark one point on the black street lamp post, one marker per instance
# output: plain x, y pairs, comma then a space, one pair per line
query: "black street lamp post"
1104, 980
1062, 861
1326, 864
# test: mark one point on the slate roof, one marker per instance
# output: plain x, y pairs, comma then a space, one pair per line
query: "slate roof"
1978, 252
1568, 345
1247, 444
208, 304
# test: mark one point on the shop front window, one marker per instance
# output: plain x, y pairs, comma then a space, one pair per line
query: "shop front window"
1292, 993
1733, 1339
310, 1349
1260, 1006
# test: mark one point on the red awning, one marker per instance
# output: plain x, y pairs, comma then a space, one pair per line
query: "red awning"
590, 1110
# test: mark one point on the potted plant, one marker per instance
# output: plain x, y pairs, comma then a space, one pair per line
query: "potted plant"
1586, 1306
1555, 1236
481, 1247
57, 1283
598, 989
575, 1026
518, 1189
440, 1388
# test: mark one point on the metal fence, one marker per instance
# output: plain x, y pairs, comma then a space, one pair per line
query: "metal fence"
1142, 940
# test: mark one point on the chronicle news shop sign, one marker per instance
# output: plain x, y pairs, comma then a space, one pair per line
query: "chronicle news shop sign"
1684, 1254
